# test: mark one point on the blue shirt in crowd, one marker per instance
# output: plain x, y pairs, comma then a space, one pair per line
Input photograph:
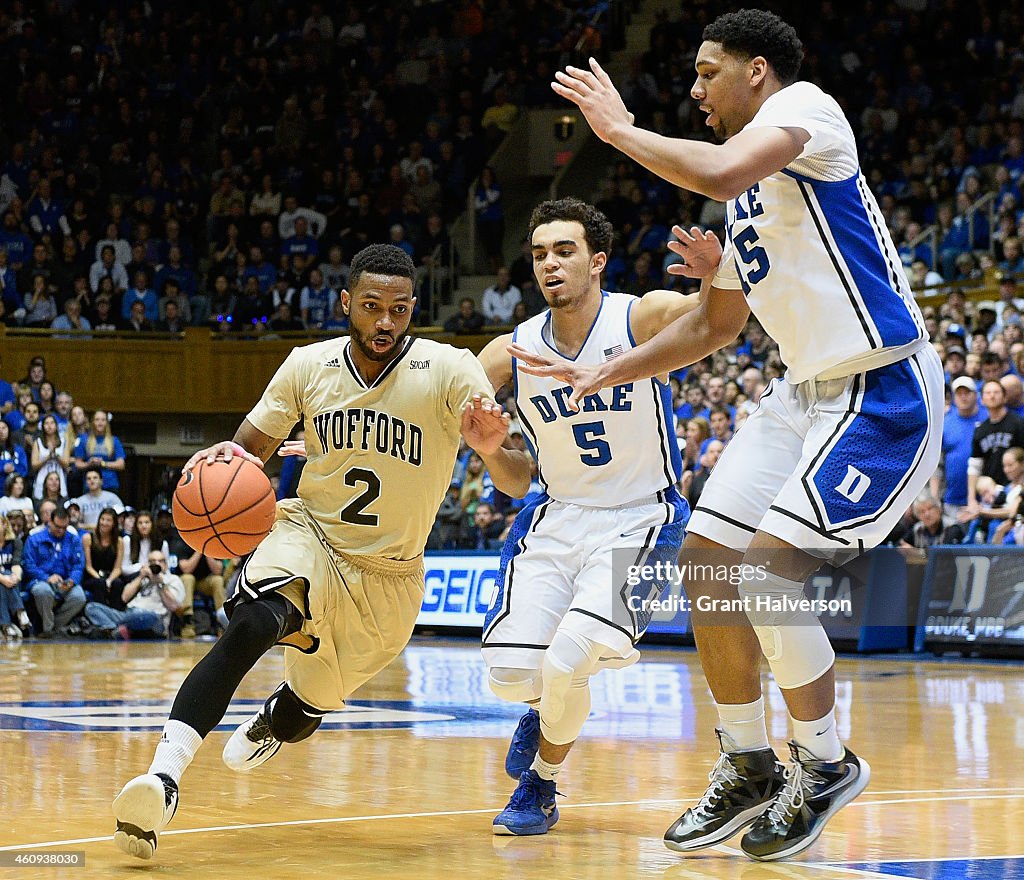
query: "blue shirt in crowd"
957, 433
110, 479
45, 555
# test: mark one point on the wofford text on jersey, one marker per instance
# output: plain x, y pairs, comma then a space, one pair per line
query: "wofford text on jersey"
366, 430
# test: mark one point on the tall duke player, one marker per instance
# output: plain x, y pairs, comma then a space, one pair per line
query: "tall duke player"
562, 611
836, 451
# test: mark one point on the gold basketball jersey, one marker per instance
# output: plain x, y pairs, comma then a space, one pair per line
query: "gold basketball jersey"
379, 456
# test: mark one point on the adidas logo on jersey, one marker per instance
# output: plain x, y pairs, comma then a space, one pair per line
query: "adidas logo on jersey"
333, 362
419, 365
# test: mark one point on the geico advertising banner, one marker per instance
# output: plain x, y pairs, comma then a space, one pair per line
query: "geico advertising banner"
863, 602
973, 596
458, 589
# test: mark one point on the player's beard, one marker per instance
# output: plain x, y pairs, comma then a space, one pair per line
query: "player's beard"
366, 349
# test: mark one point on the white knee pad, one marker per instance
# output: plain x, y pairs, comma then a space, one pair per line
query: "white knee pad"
791, 636
565, 696
515, 685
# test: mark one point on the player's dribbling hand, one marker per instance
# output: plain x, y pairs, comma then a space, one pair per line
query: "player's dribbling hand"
701, 250
223, 451
484, 425
584, 379
592, 91
292, 447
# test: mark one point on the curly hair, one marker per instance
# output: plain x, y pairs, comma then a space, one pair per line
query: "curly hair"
751, 32
597, 229
381, 259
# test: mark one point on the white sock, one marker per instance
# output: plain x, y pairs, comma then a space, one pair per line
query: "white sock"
820, 737
744, 725
178, 746
545, 770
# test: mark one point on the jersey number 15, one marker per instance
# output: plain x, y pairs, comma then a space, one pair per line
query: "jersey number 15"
753, 255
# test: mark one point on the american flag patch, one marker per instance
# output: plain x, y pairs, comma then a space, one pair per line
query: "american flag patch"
612, 352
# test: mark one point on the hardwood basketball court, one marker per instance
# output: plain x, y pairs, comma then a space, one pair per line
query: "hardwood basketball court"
406, 781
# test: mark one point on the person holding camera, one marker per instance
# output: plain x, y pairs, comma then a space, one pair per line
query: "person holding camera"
151, 597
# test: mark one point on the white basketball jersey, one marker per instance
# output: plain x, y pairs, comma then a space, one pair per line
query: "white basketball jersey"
620, 446
810, 249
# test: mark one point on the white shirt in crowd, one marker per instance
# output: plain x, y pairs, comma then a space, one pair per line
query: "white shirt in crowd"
498, 305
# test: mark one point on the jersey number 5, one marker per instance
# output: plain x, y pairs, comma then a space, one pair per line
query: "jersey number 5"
598, 451
752, 254
353, 512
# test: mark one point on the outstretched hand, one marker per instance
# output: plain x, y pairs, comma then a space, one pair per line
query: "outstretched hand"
584, 379
592, 91
292, 447
702, 252
484, 425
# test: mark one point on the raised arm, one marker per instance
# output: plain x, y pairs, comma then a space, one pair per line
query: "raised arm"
496, 361
720, 171
485, 427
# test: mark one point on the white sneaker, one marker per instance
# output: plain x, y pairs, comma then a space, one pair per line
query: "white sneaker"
143, 808
11, 632
251, 744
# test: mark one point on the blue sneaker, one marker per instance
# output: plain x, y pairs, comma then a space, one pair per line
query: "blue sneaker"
532, 808
523, 748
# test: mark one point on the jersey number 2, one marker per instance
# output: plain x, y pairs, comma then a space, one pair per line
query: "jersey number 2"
353, 512
598, 451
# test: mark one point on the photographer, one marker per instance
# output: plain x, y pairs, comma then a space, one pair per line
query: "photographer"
151, 597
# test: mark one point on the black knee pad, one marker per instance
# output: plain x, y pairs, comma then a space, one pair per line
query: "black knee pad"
269, 618
291, 720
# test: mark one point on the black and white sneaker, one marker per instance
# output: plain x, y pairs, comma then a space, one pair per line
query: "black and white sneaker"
814, 792
143, 809
251, 744
743, 785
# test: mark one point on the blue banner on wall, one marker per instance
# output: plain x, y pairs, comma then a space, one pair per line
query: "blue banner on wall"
457, 589
973, 598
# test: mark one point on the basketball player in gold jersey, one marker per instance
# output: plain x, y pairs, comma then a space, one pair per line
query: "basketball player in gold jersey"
339, 579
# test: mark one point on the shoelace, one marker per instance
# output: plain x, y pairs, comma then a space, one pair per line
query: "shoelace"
260, 730
723, 773
793, 792
528, 793
528, 727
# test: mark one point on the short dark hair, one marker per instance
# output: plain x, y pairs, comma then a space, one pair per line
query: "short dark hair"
992, 359
752, 32
92, 469
381, 259
597, 229
60, 512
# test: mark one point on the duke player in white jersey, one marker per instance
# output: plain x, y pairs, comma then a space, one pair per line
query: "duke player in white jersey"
837, 449
563, 609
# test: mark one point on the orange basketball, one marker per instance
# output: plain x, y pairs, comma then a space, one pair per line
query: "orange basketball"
224, 509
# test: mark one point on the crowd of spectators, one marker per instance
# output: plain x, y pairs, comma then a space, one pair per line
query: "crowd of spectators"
170, 166
74, 558
165, 164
